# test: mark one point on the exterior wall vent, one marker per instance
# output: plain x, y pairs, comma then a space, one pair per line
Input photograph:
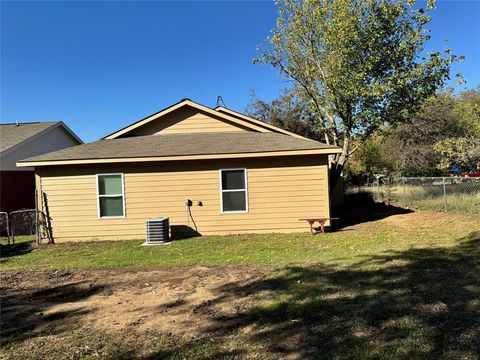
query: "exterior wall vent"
157, 230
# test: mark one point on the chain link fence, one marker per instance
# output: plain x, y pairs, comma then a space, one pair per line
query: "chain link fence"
18, 223
23, 222
456, 194
28, 224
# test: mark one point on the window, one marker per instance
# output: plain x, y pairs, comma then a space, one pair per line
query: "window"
233, 188
111, 200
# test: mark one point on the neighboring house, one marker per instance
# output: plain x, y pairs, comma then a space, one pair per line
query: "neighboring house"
241, 175
19, 141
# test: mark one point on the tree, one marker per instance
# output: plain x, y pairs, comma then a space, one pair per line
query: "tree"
372, 158
288, 112
359, 63
467, 110
462, 151
443, 134
413, 141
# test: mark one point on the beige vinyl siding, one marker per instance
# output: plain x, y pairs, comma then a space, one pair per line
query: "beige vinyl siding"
186, 120
55, 139
280, 191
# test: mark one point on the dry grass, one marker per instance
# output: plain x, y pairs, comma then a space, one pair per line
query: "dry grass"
460, 198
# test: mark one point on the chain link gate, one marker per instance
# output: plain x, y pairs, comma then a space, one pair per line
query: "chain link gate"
27, 222
23, 222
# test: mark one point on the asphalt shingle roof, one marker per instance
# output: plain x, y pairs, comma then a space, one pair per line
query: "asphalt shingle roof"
13, 134
183, 145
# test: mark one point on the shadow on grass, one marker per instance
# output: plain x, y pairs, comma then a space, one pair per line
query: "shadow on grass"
360, 207
417, 304
25, 313
181, 232
21, 248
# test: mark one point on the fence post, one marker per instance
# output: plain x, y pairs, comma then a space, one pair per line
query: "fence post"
12, 230
8, 229
378, 189
445, 195
404, 194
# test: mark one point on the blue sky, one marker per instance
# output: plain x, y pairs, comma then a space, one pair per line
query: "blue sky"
99, 66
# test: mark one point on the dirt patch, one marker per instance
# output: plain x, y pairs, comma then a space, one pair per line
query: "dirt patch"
183, 301
424, 297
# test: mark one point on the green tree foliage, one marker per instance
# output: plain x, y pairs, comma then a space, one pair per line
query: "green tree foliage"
358, 63
444, 133
462, 151
467, 111
372, 158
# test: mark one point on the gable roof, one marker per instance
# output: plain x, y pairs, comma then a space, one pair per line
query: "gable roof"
193, 146
223, 113
14, 135
236, 114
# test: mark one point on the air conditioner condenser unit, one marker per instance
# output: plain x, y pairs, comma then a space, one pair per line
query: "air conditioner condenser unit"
158, 230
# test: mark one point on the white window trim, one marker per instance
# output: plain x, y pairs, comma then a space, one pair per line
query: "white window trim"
222, 191
123, 197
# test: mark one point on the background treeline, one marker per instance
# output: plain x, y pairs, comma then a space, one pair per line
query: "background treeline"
442, 138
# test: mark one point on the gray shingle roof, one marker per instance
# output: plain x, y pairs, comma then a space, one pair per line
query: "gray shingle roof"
13, 134
183, 145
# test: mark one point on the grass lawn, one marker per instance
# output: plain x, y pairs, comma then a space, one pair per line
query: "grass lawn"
346, 247
386, 286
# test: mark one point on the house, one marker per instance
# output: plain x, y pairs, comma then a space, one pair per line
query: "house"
239, 174
19, 141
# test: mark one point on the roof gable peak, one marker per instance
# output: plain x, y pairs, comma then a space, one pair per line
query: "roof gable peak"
220, 114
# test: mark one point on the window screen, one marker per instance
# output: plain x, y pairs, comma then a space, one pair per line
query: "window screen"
110, 195
234, 190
